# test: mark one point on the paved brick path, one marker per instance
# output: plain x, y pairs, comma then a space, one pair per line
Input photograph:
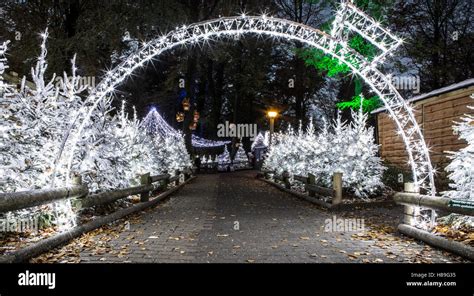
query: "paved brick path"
234, 217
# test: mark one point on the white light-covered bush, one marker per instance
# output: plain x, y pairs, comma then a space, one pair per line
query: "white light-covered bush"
461, 171
33, 122
346, 148
111, 153
461, 168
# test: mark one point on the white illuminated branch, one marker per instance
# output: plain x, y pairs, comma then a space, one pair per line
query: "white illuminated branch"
348, 17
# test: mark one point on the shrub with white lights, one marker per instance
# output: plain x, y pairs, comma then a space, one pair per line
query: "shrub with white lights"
346, 148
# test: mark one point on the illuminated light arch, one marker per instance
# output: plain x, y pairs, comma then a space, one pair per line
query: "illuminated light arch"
348, 18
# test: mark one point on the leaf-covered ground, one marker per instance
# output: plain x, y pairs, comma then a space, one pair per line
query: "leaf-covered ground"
234, 217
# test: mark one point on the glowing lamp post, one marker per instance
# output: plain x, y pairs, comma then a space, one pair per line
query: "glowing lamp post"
272, 115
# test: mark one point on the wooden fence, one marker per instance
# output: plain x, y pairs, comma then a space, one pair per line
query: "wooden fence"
413, 200
314, 191
79, 193
214, 167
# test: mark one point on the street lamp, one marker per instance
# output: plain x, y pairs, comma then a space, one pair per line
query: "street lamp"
272, 115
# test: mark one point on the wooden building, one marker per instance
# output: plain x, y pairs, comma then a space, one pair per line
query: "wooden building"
436, 113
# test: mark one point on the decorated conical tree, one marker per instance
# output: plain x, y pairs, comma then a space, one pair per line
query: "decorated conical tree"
259, 142
259, 148
210, 161
352, 151
29, 127
366, 169
223, 160
14, 142
155, 125
169, 143
241, 159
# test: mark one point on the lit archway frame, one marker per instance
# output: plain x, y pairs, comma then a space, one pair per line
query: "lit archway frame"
348, 19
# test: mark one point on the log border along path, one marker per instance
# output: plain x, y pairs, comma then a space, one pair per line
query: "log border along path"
236, 218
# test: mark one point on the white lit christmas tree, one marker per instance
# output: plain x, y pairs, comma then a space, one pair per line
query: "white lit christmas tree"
288, 153
169, 143
363, 168
110, 153
33, 122
9, 123
240, 160
29, 127
461, 168
143, 157
349, 149
5, 89
223, 160
260, 142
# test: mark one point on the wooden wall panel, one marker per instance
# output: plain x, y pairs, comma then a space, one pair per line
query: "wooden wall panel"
436, 116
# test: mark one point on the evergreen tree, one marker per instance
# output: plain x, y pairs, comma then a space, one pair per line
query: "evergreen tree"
168, 143
461, 168
34, 122
349, 149
240, 159
5, 89
223, 160
259, 142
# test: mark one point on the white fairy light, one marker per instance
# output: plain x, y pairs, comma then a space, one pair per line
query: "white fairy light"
347, 17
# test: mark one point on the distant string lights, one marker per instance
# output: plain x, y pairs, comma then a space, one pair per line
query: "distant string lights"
156, 125
199, 142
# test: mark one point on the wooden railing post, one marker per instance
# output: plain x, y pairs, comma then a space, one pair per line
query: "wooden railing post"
145, 180
409, 212
266, 175
312, 181
166, 181
337, 186
77, 180
177, 173
286, 179
76, 202
187, 174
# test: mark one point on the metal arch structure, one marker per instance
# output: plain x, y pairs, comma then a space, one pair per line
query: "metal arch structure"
348, 19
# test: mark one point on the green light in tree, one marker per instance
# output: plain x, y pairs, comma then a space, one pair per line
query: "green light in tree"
368, 104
